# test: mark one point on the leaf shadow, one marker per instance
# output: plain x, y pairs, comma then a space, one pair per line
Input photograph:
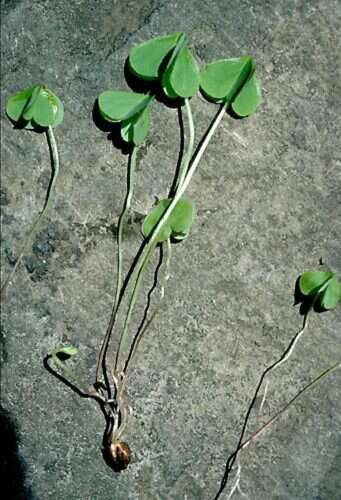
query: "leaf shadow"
152, 87
306, 302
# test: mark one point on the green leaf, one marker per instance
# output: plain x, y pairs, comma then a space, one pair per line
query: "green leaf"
221, 80
135, 129
67, 350
311, 282
36, 105
181, 219
181, 78
117, 105
178, 224
145, 59
249, 98
18, 103
332, 294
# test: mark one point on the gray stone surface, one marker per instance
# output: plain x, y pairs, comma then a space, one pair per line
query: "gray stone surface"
268, 207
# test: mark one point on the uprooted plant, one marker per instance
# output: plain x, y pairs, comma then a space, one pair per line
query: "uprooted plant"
36, 108
168, 62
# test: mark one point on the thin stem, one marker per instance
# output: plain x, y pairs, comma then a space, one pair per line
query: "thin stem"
37, 224
121, 222
189, 153
273, 419
138, 338
255, 435
152, 242
287, 353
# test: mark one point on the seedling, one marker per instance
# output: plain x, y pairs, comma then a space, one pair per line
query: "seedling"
36, 108
168, 61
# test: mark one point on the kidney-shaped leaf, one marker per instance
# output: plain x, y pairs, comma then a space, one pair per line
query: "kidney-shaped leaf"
249, 98
145, 59
118, 105
311, 282
178, 224
181, 78
221, 80
135, 129
331, 295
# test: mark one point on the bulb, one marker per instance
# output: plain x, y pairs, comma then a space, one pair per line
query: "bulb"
119, 455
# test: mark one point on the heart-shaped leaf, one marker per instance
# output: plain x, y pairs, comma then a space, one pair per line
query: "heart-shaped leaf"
135, 129
37, 106
145, 59
222, 80
117, 105
181, 78
311, 282
178, 224
249, 98
331, 295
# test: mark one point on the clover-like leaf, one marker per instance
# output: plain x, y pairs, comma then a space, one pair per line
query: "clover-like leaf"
221, 80
136, 128
311, 282
249, 98
67, 350
35, 106
178, 224
145, 59
181, 78
118, 105
331, 296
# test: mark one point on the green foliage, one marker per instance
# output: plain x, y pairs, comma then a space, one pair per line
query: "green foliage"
130, 108
178, 224
169, 59
322, 285
232, 81
35, 106
145, 59
181, 78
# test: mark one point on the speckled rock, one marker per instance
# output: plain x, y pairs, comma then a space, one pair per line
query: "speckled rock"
268, 203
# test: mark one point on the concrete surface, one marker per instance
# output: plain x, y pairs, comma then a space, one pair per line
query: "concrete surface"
268, 207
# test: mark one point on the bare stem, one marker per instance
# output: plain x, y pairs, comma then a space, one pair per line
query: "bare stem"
37, 224
121, 223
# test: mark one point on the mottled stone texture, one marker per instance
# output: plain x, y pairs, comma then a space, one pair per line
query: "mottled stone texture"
268, 203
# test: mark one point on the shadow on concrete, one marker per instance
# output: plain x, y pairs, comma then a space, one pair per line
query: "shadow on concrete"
12, 468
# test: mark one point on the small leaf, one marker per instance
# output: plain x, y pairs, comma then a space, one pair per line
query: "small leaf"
135, 129
117, 105
181, 219
153, 218
18, 102
178, 224
145, 59
332, 294
182, 77
249, 98
37, 106
67, 350
221, 80
43, 111
311, 282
